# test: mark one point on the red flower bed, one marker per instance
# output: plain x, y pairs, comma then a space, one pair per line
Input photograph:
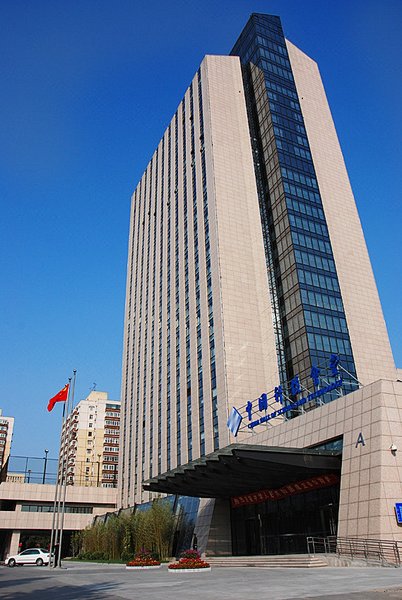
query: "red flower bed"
143, 558
190, 559
149, 562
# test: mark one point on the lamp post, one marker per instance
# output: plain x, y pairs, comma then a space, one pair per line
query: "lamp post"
44, 466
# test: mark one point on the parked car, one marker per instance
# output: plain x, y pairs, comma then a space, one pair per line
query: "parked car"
32, 556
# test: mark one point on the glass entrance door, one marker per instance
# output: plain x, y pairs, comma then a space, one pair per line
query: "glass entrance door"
282, 526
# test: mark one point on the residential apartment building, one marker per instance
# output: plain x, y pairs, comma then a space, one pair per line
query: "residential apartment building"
250, 295
91, 446
6, 436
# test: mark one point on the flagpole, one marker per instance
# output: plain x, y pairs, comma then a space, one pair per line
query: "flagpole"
70, 404
62, 476
56, 492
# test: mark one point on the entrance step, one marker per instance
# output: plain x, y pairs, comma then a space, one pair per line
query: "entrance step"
287, 561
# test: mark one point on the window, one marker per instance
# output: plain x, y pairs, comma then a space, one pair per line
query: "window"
49, 508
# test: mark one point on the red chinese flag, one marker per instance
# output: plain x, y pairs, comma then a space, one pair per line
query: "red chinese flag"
59, 397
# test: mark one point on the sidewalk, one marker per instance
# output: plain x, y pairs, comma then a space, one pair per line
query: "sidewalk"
83, 581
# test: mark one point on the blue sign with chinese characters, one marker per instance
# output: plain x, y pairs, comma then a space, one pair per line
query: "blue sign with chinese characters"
398, 512
295, 389
292, 405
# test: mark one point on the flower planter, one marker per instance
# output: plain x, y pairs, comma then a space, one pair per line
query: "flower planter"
141, 568
143, 560
203, 570
190, 561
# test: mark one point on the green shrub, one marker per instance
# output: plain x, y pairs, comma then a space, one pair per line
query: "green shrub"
122, 536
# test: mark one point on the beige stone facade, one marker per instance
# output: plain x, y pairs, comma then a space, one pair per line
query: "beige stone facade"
371, 473
369, 423
172, 222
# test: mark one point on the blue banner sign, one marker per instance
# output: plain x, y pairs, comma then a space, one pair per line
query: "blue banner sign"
398, 512
336, 385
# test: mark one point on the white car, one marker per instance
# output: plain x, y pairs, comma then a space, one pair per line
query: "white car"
32, 556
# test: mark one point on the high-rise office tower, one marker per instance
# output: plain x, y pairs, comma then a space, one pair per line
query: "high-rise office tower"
247, 265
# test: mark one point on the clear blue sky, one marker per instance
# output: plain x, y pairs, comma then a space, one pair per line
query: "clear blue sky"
88, 88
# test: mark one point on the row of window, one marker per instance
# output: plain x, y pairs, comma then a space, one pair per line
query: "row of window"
325, 321
288, 113
263, 41
49, 508
321, 300
281, 72
295, 162
279, 60
302, 193
315, 261
177, 280
299, 177
318, 280
312, 243
291, 136
269, 30
160, 347
326, 343
303, 207
280, 120
110, 458
310, 225
280, 89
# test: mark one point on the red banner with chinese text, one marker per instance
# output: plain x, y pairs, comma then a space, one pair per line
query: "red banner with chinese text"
299, 487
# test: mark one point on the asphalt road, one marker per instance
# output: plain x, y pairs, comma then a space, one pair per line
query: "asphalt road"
81, 581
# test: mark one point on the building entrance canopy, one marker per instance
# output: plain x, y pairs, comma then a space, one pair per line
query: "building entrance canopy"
242, 468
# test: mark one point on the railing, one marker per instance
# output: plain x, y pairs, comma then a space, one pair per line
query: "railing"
386, 552
28, 469
318, 545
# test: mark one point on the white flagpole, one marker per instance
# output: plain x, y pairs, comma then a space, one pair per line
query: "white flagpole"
53, 535
69, 413
62, 475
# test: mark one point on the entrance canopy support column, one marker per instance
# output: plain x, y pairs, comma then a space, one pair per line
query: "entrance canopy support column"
14, 542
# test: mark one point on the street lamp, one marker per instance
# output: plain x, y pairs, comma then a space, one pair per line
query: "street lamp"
44, 466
